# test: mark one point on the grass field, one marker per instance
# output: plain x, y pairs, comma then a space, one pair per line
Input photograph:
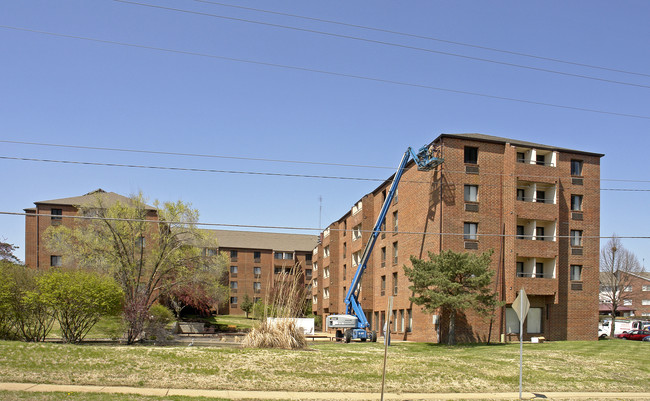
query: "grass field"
612, 365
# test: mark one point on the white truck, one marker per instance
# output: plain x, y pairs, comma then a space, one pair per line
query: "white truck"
622, 325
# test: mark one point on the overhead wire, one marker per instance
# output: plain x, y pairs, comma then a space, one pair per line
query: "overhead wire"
294, 228
431, 38
324, 72
201, 155
385, 43
258, 173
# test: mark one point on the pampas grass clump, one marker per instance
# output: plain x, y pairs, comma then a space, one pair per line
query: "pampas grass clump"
278, 334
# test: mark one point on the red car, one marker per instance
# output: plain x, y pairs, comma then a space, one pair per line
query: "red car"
638, 335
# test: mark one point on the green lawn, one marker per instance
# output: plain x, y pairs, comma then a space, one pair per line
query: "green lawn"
612, 365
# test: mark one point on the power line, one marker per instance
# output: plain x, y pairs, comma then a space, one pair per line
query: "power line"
325, 72
260, 173
293, 228
426, 38
155, 152
381, 42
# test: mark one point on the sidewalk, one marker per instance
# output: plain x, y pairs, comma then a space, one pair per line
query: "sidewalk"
288, 395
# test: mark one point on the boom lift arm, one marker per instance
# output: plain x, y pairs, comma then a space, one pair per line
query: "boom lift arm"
355, 319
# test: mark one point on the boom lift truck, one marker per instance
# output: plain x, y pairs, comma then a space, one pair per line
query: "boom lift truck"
354, 324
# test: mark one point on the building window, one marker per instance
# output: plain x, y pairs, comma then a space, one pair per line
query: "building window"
140, 242
326, 252
383, 229
576, 273
383, 285
314, 299
257, 271
233, 285
512, 321
540, 160
521, 157
471, 155
257, 256
315, 266
345, 271
356, 232
257, 287
645, 288
394, 283
345, 227
233, 256
576, 237
409, 328
395, 222
315, 283
395, 197
539, 270
401, 319
471, 193
520, 232
326, 272
357, 207
326, 293
56, 216
283, 255
211, 252
470, 230
521, 194
308, 258
356, 258
539, 234
345, 250
627, 302
277, 270
627, 288
645, 302
55, 260
395, 252
233, 269
308, 274
540, 196
576, 168
576, 203
534, 321
383, 256
520, 269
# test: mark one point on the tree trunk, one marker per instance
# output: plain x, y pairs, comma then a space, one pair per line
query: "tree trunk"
451, 340
612, 323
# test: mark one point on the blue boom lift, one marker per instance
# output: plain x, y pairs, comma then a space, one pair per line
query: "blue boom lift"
354, 324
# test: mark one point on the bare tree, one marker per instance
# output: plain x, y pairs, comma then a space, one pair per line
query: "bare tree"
616, 265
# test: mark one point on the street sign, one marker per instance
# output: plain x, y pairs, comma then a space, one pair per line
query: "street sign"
521, 305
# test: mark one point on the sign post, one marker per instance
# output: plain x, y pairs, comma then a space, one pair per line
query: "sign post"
521, 306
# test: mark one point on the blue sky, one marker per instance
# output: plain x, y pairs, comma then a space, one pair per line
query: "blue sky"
64, 90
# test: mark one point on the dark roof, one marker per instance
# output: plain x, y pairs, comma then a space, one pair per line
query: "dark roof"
515, 142
108, 198
261, 240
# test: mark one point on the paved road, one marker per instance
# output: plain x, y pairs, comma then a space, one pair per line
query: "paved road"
288, 395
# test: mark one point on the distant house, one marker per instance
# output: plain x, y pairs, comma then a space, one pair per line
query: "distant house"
635, 297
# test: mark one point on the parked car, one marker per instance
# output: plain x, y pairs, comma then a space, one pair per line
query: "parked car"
647, 338
638, 335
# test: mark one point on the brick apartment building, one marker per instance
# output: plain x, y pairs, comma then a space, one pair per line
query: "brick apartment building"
36, 253
536, 206
635, 296
256, 258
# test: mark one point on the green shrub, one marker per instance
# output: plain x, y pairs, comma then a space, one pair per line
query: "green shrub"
159, 317
78, 299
